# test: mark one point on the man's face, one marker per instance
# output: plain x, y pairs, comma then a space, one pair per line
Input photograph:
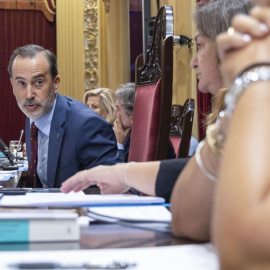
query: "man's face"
121, 114
33, 85
206, 66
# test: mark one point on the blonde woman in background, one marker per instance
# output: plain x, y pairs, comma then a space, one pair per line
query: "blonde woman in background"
102, 101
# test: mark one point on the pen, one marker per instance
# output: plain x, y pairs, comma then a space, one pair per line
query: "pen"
52, 265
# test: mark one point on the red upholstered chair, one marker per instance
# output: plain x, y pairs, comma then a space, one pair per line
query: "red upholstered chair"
152, 105
181, 127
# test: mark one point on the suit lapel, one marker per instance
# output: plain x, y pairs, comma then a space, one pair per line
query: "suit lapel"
55, 140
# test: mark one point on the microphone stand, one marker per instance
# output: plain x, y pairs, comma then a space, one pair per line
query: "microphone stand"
19, 145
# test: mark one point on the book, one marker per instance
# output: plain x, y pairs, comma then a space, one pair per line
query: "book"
30, 225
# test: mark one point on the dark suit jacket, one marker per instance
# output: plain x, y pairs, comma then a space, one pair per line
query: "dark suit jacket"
124, 153
79, 139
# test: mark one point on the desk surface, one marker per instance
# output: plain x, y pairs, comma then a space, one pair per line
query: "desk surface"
101, 236
117, 236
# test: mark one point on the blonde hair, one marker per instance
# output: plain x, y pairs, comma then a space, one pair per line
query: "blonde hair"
217, 106
108, 101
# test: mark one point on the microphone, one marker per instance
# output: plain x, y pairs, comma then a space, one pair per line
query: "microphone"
19, 144
7, 152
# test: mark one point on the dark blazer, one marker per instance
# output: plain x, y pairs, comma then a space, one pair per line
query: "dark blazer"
124, 153
79, 139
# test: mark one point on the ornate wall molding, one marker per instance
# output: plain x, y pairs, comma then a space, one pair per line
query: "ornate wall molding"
107, 5
91, 41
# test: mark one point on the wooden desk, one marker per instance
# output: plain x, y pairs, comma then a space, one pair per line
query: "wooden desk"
117, 236
100, 236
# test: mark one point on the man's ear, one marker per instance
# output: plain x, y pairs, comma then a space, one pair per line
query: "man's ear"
56, 83
11, 82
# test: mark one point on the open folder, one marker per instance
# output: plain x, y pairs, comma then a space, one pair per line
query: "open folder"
76, 200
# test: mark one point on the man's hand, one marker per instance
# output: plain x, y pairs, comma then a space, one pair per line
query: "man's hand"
120, 133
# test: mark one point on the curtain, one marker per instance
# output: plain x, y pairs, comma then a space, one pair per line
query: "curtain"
18, 28
136, 39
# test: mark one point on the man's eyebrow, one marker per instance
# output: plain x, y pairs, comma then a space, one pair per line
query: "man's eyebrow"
34, 77
19, 78
39, 75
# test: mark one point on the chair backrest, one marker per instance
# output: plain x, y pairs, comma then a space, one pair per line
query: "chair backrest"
181, 127
152, 105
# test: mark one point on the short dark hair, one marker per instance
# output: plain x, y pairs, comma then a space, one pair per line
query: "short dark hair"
30, 51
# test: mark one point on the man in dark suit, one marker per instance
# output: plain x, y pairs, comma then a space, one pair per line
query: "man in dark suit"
71, 137
125, 95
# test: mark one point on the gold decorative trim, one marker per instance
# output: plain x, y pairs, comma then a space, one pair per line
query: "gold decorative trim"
107, 5
41, 5
91, 41
48, 8
53, 3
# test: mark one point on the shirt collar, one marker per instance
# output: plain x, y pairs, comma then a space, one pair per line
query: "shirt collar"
44, 123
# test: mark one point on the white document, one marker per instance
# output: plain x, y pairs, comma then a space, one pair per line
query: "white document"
6, 175
135, 213
184, 257
75, 200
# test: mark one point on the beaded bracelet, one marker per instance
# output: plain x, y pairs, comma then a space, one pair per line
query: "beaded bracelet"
255, 73
208, 174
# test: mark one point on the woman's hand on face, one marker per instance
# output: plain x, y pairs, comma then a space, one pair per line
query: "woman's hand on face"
110, 180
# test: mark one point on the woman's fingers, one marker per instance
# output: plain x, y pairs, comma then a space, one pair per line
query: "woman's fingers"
77, 182
230, 41
261, 14
244, 24
262, 2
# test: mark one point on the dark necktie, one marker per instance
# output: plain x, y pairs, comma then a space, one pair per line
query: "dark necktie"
32, 168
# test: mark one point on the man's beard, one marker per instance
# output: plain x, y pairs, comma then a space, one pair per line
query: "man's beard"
46, 107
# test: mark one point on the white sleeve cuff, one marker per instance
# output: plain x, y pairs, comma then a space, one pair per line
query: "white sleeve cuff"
120, 146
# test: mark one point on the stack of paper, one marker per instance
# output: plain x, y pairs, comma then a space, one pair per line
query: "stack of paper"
76, 200
135, 213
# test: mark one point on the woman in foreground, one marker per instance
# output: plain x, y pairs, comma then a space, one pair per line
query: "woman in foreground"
242, 207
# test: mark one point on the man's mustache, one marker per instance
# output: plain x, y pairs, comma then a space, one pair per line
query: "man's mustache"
31, 102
